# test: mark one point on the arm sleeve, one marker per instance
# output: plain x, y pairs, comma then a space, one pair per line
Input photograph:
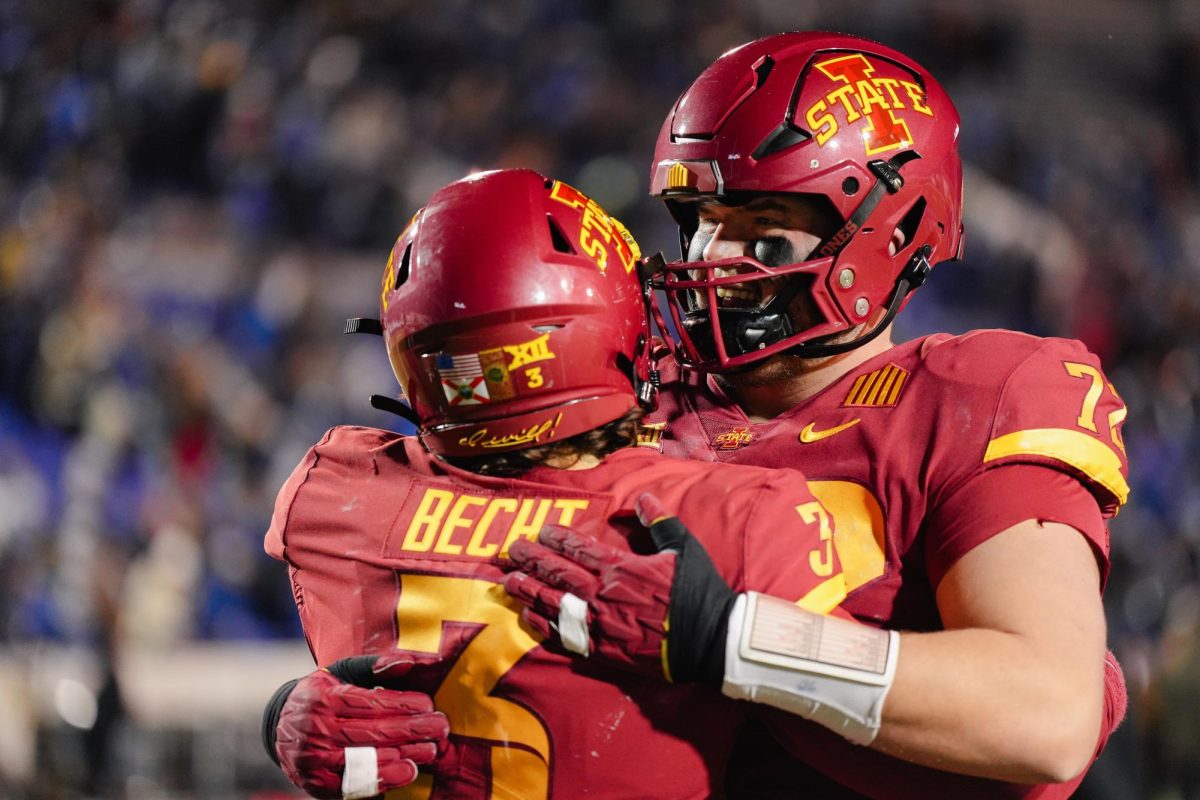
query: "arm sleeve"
788, 548
997, 499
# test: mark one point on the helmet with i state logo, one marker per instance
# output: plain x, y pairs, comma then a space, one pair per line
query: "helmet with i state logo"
514, 315
843, 122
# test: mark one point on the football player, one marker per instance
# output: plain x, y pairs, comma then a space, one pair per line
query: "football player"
815, 179
514, 315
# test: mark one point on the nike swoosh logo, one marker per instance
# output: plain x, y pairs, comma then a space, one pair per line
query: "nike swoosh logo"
809, 435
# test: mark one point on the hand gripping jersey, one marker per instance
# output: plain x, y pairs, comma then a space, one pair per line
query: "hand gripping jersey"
921, 454
389, 547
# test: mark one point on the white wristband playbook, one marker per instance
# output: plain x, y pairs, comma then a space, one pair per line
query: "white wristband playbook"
833, 671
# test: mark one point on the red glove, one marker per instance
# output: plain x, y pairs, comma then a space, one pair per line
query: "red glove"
624, 603
626, 594
308, 728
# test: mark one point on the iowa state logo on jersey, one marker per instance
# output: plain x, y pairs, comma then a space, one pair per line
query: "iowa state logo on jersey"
732, 439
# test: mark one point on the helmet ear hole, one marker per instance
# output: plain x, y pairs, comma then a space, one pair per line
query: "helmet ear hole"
912, 221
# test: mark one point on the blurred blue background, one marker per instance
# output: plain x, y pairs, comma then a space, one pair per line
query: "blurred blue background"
195, 193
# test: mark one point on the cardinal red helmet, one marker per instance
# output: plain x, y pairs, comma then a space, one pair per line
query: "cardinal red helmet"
514, 315
824, 114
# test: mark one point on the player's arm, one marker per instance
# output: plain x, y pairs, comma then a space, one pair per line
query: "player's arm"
339, 732
672, 614
1014, 687
977, 700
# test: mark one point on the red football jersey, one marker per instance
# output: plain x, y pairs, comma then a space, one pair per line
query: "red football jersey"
389, 547
921, 454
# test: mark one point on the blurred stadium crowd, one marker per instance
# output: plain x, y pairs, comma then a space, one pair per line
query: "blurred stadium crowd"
194, 193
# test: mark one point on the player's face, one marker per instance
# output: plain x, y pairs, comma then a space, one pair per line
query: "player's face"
775, 230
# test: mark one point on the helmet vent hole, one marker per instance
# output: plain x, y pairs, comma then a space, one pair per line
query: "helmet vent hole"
561, 243
402, 270
762, 68
850, 186
778, 140
912, 220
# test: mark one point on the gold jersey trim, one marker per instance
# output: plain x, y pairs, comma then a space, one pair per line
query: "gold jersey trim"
825, 596
879, 388
1075, 449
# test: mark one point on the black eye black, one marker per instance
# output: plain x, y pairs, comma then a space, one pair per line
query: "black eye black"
774, 251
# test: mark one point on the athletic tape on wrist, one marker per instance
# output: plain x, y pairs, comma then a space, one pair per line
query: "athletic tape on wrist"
572, 624
360, 778
833, 671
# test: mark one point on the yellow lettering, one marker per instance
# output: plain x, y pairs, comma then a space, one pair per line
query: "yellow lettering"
595, 219
530, 519
567, 509
1115, 418
1087, 412
819, 559
889, 85
427, 520
869, 96
568, 195
389, 277
594, 248
534, 433
859, 534
454, 521
467, 693
529, 352
626, 246
917, 95
821, 121
476, 546
842, 95
534, 378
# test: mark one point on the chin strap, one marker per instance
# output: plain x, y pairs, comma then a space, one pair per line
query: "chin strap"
888, 181
913, 275
374, 327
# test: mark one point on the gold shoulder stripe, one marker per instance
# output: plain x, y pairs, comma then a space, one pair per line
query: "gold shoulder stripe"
878, 388
1074, 448
825, 596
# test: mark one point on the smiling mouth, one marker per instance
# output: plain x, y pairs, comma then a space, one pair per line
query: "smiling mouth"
737, 297
752, 294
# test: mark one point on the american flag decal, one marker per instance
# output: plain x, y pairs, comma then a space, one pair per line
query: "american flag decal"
462, 379
880, 388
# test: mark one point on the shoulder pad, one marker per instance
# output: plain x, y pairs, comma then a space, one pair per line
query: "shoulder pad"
1057, 408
